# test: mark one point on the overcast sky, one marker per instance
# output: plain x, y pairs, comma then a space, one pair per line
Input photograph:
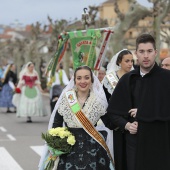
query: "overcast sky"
29, 11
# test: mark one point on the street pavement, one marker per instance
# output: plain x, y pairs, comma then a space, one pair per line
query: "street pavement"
20, 142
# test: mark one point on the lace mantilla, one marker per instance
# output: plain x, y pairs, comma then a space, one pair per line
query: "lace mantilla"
108, 85
93, 110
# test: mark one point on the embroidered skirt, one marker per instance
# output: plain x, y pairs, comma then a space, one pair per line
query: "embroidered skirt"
6, 96
86, 154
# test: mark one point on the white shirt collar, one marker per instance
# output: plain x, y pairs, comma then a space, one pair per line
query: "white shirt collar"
141, 73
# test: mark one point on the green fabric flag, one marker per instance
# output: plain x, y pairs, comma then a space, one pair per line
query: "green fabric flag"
61, 47
83, 48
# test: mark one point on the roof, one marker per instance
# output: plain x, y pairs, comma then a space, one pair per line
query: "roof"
5, 36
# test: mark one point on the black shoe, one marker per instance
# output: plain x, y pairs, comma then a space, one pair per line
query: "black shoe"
29, 121
8, 111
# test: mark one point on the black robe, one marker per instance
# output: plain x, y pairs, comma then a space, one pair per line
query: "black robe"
150, 94
118, 138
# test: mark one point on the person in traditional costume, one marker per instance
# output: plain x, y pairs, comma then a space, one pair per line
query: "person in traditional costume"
120, 64
88, 153
30, 103
60, 81
9, 81
146, 88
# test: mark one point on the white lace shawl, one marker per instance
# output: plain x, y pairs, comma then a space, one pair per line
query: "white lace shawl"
93, 110
95, 107
97, 88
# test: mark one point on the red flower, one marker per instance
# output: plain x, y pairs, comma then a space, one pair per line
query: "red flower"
17, 90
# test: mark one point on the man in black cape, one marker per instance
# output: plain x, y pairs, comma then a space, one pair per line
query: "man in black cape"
145, 90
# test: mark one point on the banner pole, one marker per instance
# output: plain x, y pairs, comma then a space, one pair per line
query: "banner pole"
101, 29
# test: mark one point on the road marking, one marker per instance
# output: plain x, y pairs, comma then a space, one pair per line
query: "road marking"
7, 162
3, 129
37, 149
11, 137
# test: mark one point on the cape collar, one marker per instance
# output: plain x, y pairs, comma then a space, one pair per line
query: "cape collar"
154, 69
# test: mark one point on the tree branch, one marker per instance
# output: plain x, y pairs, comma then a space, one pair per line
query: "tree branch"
133, 16
117, 10
165, 9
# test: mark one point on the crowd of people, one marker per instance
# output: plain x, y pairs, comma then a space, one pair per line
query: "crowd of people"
138, 107
131, 102
137, 113
24, 94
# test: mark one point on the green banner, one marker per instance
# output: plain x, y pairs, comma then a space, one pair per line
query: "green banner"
83, 48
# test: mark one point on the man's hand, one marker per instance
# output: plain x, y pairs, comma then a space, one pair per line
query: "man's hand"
133, 112
132, 127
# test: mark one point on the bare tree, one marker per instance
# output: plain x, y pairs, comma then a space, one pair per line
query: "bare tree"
160, 10
165, 36
127, 21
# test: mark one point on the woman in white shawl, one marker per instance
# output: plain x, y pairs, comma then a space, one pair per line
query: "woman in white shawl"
120, 64
87, 153
30, 103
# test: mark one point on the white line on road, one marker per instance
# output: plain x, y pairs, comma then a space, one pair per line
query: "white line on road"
2, 129
7, 162
37, 149
11, 137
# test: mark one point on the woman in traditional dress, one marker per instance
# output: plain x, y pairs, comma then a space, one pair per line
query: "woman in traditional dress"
120, 64
9, 81
31, 103
87, 93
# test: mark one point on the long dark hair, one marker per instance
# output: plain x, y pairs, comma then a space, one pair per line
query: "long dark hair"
84, 67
